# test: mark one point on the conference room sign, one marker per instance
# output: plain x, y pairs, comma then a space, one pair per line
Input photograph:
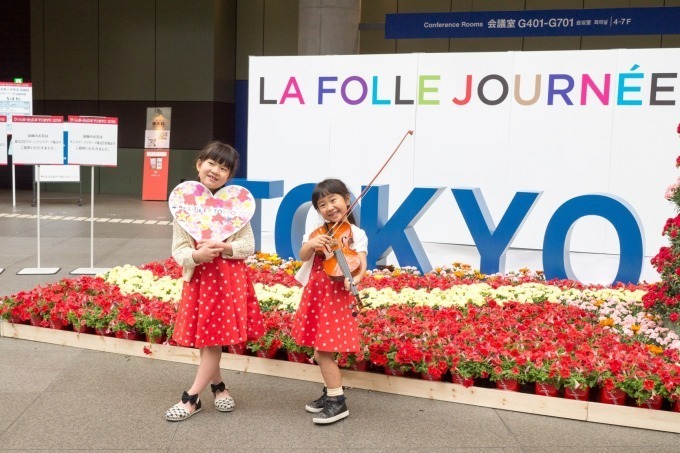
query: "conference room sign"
508, 24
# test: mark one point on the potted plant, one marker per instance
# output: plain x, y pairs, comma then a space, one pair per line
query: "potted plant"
268, 344
505, 373
124, 324
295, 352
155, 319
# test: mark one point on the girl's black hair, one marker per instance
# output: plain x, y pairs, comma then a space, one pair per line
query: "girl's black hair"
222, 154
329, 187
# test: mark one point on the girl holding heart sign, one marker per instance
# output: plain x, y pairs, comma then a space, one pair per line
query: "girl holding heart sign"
211, 238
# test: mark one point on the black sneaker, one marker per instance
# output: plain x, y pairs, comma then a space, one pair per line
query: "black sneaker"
317, 405
335, 410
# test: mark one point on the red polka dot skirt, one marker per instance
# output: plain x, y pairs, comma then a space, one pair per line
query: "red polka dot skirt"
218, 306
324, 320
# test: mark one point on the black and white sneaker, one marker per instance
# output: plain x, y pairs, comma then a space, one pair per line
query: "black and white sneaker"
335, 410
317, 405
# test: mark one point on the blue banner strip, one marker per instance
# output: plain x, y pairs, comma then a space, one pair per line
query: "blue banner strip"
505, 24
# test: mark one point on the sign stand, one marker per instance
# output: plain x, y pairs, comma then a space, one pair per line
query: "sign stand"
90, 270
93, 141
14, 187
38, 270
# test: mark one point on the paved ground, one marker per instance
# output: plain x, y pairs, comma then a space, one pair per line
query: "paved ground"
56, 398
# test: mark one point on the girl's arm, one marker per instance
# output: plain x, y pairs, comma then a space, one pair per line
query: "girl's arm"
184, 252
182, 247
362, 268
362, 271
317, 242
239, 246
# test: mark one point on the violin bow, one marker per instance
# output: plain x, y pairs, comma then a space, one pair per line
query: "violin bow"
363, 192
342, 262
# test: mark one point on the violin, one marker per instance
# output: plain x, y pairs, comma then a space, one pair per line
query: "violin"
341, 261
341, 244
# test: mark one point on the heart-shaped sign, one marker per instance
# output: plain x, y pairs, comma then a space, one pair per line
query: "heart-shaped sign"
207, 216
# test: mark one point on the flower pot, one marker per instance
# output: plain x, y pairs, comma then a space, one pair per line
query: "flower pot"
36, 320
237, 348
675, 405
458, 379
579, 394
124, 334
508, 384
15, 320
103, 332
298, 357
654, 402
614, 396
428, 377
154, 339
359, 365
82, 328
267, 353
546, 389
393, 371
57, 324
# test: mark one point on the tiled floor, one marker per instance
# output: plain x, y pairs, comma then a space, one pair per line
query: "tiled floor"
59, 398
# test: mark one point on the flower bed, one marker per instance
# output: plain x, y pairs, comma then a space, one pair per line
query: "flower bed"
453, 323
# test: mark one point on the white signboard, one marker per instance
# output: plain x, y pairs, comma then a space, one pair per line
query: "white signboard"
59, 173
15, 99
157, 133
3, 140
92, 141
38, 140
156, 139
562, 123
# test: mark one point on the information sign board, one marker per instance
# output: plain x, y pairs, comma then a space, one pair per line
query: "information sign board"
92, 141
38, 140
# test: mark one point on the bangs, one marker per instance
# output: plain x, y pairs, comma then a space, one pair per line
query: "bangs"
221, 154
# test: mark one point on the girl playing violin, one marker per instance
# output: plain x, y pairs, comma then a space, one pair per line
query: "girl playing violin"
324, 319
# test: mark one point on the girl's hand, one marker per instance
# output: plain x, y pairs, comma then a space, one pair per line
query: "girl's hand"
354, 280
321, 242
206, 243
206, 251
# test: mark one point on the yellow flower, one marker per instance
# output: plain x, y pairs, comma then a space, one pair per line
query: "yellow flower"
655, 349
606, 322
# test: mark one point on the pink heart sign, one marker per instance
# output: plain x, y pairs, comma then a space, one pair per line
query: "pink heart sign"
207, 216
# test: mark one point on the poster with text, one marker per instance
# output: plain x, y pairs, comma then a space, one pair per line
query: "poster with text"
92, 141
15, 99
38, 140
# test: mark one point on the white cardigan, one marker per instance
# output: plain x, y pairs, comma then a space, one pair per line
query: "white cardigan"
242, 243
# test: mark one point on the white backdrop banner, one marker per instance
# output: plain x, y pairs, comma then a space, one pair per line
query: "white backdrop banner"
562, 123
